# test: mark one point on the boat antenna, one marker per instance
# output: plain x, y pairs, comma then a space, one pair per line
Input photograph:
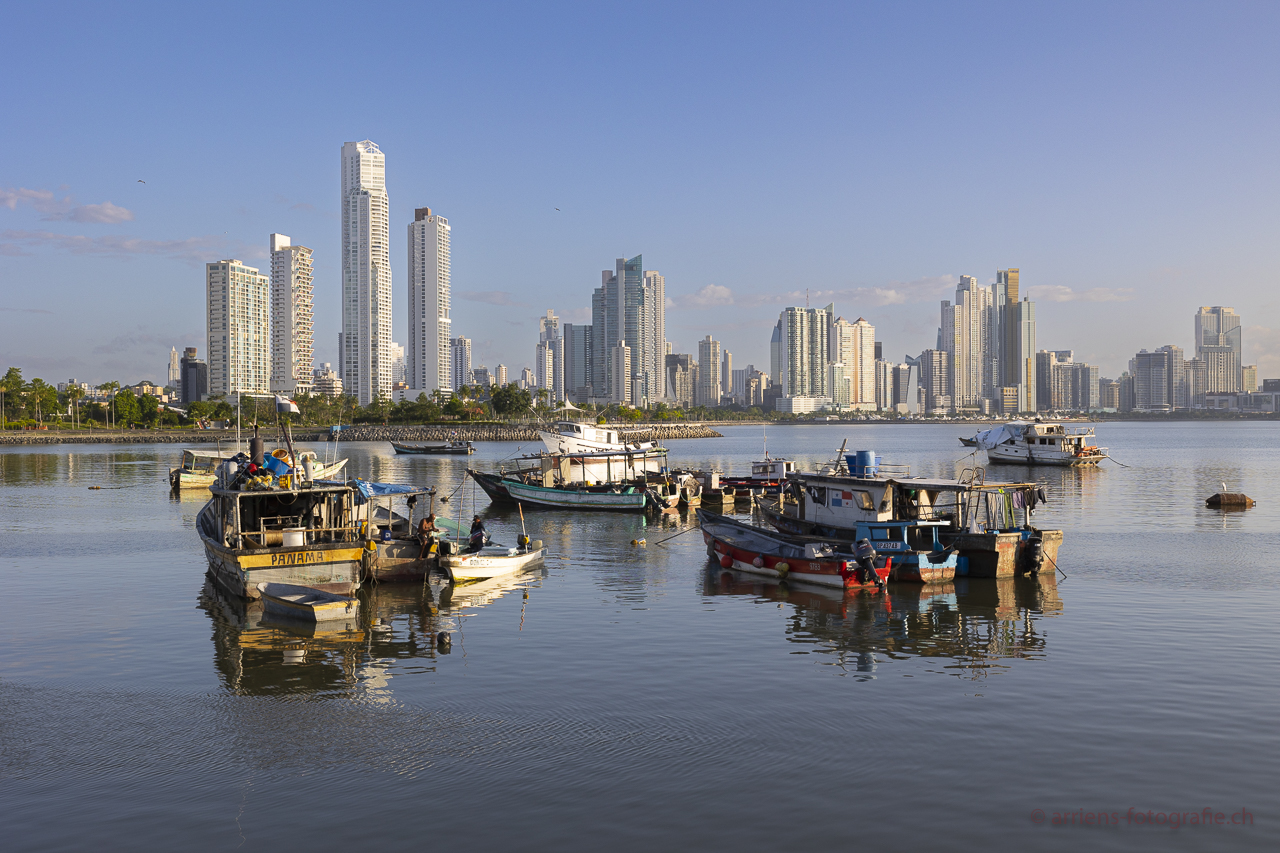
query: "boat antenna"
764, 428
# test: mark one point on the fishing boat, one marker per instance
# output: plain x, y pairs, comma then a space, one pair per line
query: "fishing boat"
690, 493
305, 603
255, 533
571, 438
968, 442
759, 551
615, 496
767, 478
460, 448
933, 525
198, 468
1040, 443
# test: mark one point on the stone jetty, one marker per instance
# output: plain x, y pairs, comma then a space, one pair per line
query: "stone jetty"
362, 432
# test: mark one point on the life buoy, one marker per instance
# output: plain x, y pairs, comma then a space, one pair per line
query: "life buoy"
726, 561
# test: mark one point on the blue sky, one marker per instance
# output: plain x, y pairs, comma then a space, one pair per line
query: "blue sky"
1123, 156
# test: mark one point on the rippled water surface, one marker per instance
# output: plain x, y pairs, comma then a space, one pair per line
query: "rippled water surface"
639, 698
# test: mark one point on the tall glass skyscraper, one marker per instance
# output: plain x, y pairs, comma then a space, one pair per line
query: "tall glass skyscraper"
365, 343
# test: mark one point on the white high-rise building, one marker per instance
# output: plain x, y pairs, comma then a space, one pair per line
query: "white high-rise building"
365, 356
238, 300
175, 369
629, 305
802, 351
853, 345
460, 361
548, 357
710, 375
397, 364
430, 327
500, 375
967, 335
620, 367
292, 316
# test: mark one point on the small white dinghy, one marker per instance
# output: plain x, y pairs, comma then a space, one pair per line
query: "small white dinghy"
306, 603
492, 561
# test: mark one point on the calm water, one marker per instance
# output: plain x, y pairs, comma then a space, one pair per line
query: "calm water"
639, 698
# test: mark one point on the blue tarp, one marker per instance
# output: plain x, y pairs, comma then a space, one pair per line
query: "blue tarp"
369, 489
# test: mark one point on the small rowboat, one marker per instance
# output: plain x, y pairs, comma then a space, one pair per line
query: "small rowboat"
303, 602
492, 561
460, 448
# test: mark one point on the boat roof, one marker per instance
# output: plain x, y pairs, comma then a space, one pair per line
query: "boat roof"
933, 484
210, 454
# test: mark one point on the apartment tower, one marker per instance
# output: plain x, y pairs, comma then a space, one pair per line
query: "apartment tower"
365, 341
292, 314
237, 322
430, 328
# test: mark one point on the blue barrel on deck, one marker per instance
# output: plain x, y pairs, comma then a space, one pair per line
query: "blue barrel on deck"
862, 463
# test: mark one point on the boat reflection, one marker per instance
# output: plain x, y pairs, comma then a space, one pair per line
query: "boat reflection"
972, 625
394, 633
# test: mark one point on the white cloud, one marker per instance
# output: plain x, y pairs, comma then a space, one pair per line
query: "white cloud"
894, 293
1061, 293
1262, 347
105, 212
708, 297
55, 209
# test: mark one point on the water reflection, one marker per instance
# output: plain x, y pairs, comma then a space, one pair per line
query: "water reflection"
395, 634
972, 626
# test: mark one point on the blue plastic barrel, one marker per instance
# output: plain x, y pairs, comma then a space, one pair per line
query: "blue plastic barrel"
866, 460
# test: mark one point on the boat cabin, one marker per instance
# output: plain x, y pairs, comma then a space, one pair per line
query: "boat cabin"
586, 432
254, 519
203, 461
772, 470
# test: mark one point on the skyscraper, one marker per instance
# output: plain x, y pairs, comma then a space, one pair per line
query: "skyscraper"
430, 326
292, 313
548, 361
195, 377
460, 361
967, 337
803, 351
628, 306
500, 375
854, 346
709, 380
1006, 301
175, 370
365, 357
1219, 346
578, 362
238, 302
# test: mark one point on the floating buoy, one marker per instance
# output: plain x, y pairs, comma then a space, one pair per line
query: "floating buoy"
758, 562
443, 640
1232, 500
91, 488
726, 562
637, 542
782, 569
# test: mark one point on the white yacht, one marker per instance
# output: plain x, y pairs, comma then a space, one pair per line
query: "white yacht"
1040, 443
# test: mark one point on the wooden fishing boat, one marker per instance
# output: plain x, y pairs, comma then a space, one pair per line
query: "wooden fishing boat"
759, 551
719, 497
690, 493
577, 496
1040, 443
492, 561
305, 603
968, 442
306, 537
460, 448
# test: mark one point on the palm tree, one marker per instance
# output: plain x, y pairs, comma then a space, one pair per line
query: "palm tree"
74, 393
110, 389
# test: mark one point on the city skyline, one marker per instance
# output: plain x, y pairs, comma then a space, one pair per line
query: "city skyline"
1111, 190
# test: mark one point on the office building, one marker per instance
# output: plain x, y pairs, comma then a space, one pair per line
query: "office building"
802, 351
968, 334
1005, 302
526, 379
460, 362
175, 369
364, 356
576, 345
326, 381
621, 371
1249, 378
292, 315
726, 378
193, 381
853, 345
709, 388
397, 365
238, 320
481, 378
629, 305
500, 375
681, 379
548, 361
427, 357
935, 379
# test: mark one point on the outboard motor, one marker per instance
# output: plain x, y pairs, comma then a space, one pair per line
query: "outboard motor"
865, 553
1033, 555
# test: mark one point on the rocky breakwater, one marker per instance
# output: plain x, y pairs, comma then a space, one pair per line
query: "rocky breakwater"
503, 432
121, 436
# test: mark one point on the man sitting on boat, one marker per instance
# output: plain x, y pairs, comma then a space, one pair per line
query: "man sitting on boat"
478, 535
426, 533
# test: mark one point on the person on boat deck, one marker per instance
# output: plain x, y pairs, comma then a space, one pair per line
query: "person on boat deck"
426, 529
478, 535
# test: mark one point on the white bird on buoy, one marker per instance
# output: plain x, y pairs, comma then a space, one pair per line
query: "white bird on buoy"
1224, 488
